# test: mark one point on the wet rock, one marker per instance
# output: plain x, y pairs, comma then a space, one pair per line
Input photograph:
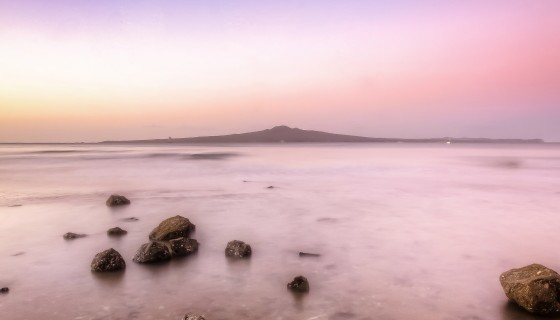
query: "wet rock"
238, 249
108, 260
534, 287
183, 246
270, 187
72, 235
117, 200
152, 252
131, 219
306, 254
193, 317
5, 290
299, 284
172, 228
116, 231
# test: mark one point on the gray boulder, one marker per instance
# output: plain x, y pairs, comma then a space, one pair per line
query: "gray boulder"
534, 287
108, 260
183, 246
172, 228
299, 284
72, 235
116, 231
117, 200
238, 249
152, 252
192, 317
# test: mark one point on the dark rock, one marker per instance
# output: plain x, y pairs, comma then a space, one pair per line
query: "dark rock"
14, 205
534, 287
5, 290
183, 246
117, 200
72, 235
192, 317
306, 254
116, 231
131, 219
300, 284
152, 252
270, 187
238, 249
108, 260
17, 254
172, 228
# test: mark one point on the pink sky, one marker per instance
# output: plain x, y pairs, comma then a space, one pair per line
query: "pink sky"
132, 70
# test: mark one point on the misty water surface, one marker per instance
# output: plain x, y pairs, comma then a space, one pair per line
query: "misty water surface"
404, 231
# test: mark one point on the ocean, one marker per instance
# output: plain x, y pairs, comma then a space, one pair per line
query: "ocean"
404, 231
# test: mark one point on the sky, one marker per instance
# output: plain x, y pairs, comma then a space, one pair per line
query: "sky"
77, 70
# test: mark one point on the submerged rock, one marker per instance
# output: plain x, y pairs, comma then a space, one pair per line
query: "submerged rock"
152, 252
238, 249
534, 287
72, 235
299, 284
117, 200
108, 260
307, 254
172, 228
130, 219
5, 290
193, 317
183, 246
116, 231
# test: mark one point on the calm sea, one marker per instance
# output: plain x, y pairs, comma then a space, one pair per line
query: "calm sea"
404, 231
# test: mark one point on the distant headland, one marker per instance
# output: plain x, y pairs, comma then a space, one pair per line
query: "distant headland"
285, 134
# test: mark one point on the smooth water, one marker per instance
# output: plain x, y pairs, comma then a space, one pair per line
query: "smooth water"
404, 231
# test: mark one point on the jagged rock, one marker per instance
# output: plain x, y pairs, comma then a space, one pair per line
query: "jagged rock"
299, 284
5, 290
108, 260
172, 228
116, 231
238, 249
117, 200
183, 246
72, 235
192, 317
534, 287
152, 252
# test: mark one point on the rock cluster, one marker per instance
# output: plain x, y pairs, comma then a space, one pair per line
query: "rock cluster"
117, 200
534, 287
238, 249
108, 260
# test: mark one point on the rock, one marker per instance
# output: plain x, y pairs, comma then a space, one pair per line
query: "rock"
116, 231
108, 260
183, 246
152, 252
306, 254
534, 287
191, 317
172, 228
117, 200
300, 284
238, 249
72, 235
5, 290
270, 187
131, 219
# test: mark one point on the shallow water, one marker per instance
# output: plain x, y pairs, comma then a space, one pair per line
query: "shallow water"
404, 231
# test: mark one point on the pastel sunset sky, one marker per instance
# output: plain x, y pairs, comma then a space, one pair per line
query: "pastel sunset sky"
73, 70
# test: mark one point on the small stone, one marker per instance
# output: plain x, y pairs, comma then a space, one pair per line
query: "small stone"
270, 187
5, 290
238, 249
117, 200
131, 219
72, 235
172, 228
192, 317
307, 254
299, 284
108, 260
183, 246
152, 252
116, 231
534, 287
